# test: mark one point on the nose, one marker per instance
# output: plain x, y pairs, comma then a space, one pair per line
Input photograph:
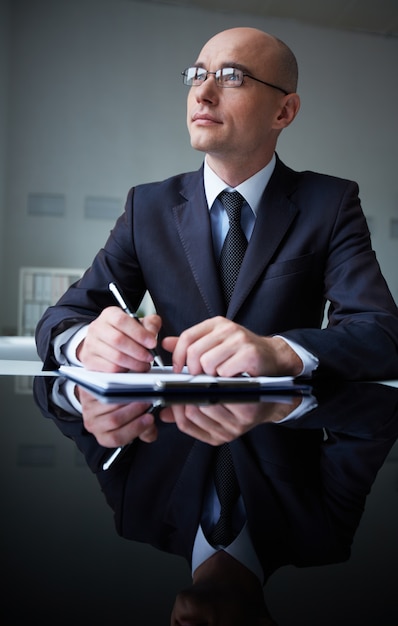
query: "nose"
208, 91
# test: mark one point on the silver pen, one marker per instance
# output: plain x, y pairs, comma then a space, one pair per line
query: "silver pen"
121, 301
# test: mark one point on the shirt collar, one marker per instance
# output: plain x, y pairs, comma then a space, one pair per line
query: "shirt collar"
251, 189
241, 549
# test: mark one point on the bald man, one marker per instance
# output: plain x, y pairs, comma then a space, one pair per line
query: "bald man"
306, 243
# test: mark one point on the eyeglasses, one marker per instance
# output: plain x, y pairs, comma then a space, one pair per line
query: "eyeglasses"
225, 77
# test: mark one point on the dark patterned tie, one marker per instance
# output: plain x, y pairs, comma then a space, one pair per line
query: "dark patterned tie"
235, 243
227, 488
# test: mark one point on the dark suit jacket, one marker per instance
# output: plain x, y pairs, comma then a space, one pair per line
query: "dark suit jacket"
310, 244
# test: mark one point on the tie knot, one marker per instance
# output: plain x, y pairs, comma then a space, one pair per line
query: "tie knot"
232, 202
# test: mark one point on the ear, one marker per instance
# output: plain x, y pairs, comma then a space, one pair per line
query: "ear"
288, 110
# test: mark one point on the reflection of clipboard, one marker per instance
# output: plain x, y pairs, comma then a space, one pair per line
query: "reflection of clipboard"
164, 381
200, 398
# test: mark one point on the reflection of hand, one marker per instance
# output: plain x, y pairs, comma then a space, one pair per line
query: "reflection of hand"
219, 423
115, 425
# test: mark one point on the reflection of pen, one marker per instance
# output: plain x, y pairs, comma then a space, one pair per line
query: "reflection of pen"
116, 453
121, 301
113, 456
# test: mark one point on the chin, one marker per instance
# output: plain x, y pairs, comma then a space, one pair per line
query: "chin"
203, 142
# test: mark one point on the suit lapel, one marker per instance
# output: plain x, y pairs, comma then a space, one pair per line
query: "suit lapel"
185, 505
193, 227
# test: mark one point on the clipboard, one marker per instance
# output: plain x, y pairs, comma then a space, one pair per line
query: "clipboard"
163, 381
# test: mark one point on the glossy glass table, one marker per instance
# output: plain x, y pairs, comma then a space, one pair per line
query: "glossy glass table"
81, 545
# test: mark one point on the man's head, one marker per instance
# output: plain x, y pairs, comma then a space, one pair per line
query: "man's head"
224, 593
238, 126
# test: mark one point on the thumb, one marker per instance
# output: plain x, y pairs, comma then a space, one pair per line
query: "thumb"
153, 323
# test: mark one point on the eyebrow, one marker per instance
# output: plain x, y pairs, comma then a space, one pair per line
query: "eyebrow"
233, 64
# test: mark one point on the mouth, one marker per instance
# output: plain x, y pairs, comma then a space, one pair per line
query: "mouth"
204, 119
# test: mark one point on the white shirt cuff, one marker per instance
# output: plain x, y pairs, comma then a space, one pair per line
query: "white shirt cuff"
307, 404
65, 344
310, 362
63, 395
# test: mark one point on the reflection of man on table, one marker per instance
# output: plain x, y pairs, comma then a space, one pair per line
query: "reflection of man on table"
302, 489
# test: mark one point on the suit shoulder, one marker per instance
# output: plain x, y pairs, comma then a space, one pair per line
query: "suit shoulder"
314, 178
327, 180
168, 186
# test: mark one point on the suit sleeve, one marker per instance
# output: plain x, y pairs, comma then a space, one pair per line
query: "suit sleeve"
361, 338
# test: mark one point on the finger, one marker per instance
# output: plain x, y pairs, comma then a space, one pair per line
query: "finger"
166, 415
141, 427
188, 348
103, 419
133, 338
153, 324
190, 422
150, 434
169, 343
230, 353
117, 343
216, 420
126, 434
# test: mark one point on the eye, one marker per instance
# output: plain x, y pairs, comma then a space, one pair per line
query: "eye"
200, 73
231, 75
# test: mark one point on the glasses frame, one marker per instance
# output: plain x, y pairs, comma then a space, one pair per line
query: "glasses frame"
217, 75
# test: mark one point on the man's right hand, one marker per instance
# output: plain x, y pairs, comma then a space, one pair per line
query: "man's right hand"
116, 342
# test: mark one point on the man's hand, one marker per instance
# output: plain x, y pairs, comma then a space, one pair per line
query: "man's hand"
221, 423
220, 347
115, 425
116, 342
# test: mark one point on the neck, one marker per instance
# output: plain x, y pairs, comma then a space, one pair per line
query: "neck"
222, 566
233, 174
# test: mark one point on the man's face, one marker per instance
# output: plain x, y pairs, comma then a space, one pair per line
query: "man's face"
223, 593
236, 124
216, 606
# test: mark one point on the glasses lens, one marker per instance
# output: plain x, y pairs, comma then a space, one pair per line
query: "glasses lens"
229, 77
225, 77
194, 76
